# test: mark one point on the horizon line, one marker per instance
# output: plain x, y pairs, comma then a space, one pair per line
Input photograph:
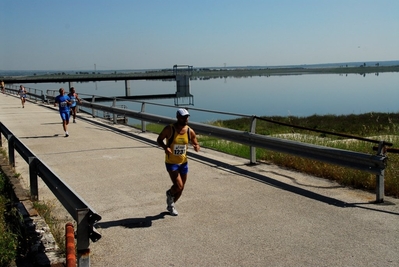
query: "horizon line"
224, 67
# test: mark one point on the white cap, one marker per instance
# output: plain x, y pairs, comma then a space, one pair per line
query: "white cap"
182, 112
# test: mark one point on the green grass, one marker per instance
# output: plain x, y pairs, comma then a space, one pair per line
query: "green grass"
376, 126
9, 232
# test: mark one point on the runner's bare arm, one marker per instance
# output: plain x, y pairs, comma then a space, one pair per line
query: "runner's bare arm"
165, 134
194, 140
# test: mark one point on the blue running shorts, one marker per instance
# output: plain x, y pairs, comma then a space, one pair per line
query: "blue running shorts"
65, 115
182, 168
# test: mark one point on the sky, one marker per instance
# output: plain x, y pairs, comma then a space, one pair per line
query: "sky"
153, 34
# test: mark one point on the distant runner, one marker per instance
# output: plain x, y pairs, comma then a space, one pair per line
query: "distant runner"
2, 87
22, 95
74, 98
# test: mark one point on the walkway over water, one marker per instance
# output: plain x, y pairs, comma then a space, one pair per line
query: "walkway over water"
230, 214
87, 77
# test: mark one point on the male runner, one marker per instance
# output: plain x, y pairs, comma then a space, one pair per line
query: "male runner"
178, 136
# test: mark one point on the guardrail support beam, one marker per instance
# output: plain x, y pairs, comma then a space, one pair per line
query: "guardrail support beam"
11, 154
82, 237
114, 114
127, 88
252, 148
380, 188
143, 123
93, 99
34, 187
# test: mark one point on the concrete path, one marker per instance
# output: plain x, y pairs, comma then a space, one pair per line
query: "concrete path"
230, 214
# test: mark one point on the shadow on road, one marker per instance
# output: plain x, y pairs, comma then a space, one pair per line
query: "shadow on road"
132, 222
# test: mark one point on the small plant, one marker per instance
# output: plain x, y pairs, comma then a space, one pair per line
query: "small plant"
8, 237
3, 153
45, 209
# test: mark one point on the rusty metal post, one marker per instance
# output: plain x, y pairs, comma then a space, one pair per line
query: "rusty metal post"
70, 245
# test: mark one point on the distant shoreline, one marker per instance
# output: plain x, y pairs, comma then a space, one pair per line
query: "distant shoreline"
292, 71
220, 72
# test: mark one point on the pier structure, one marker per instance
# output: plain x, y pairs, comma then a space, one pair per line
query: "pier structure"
181, 74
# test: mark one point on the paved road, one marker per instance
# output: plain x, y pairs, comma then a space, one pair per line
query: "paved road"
230, 214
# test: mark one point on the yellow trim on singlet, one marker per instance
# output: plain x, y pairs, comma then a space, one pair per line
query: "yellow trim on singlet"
179, 147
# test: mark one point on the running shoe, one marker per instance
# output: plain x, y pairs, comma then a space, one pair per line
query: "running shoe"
172, 210
169, 198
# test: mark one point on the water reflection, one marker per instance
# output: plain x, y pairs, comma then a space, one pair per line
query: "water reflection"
296, 95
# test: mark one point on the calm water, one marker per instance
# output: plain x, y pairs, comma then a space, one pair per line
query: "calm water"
296, 95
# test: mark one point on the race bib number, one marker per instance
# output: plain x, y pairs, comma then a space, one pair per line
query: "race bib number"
63, 104
179, 150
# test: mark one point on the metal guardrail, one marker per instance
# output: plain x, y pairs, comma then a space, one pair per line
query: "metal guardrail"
31, 93
374, 164
80, 211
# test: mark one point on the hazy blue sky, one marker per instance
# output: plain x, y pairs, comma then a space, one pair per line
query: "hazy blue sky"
132, 34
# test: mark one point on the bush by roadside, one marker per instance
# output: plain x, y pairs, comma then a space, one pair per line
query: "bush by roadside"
9, 235
32, 243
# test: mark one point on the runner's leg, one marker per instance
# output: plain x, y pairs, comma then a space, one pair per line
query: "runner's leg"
178, 181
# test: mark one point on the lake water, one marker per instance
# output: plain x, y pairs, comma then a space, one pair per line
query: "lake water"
296, 95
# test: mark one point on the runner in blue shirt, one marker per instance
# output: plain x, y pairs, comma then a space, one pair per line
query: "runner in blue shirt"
64, 102
74, 98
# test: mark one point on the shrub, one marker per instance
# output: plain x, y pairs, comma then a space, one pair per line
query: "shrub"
8, 239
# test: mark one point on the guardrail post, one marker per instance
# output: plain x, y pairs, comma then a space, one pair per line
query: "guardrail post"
380, 188
85, 231
143, 124
82, 237
11, 154
114, 114
92, 109
127, 87
252, 148
34, 187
